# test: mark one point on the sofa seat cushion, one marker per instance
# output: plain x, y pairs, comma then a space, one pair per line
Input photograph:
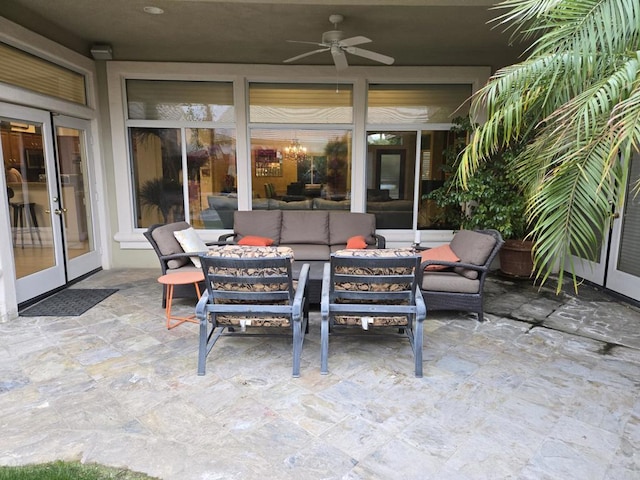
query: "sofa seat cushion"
304, 252
449, 282
300, 227
168, 244
258, 223
344, 225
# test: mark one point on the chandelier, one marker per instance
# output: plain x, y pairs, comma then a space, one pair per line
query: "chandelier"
295, 151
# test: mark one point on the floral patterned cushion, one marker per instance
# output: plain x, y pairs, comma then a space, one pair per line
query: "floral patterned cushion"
243, 251
376, 253
379, 321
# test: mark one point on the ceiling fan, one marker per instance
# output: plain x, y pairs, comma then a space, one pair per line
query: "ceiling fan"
333, 42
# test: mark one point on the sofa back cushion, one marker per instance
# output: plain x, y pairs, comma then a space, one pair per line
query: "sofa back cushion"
263, 223
344, 225
300, 226
167, 243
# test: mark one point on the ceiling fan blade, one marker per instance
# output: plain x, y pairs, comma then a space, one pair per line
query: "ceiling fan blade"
350, 42
308, 43
378, 57
298, 57
339, 58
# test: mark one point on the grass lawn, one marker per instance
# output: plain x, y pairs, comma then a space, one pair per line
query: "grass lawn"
69, 471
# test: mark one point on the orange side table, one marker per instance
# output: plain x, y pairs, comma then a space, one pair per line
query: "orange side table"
181, 278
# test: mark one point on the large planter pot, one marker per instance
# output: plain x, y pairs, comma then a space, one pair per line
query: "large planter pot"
516, 259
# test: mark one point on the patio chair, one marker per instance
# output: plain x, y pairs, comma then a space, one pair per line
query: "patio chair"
458, 283
250, 290
173, 257
371, 289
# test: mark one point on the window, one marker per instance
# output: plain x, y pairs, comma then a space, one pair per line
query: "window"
402, 104
301, 169
300, 103
179, 170
181, 101
390, 179
28, 71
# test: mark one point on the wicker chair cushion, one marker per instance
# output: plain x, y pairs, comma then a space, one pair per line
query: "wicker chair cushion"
449, 282
471, 247
167, 243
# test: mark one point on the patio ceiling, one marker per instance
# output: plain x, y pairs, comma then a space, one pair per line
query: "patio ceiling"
414, 32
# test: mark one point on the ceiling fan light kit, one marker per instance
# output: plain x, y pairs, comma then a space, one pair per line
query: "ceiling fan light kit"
333, 43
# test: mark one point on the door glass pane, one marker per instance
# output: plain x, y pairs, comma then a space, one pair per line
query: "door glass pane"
390, 178
434, 171
629, 260
25, 174
74, 190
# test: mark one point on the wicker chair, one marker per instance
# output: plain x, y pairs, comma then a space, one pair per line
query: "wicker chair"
371, 289
251, 289
460, 284
172, 256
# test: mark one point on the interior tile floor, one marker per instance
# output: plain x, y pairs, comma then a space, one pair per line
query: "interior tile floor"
546, 388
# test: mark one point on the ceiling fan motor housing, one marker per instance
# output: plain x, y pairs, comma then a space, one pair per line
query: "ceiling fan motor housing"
332, 36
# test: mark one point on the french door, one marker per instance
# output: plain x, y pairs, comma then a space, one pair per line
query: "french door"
50, 209
618, 264
623, 272
76, 184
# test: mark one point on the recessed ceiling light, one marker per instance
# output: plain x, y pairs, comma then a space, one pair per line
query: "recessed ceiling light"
153, 10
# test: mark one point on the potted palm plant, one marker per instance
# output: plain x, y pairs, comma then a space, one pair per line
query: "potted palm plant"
492, 199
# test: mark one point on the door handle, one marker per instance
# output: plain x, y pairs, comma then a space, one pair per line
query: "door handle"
616, 215
58, 211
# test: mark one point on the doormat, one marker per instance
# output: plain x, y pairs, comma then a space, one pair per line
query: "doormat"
68, 303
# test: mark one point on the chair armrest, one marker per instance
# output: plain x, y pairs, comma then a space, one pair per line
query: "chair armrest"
180, 255
381, 242
225, 237
421, 308
324, 297
201, 307
300, 291
470, 266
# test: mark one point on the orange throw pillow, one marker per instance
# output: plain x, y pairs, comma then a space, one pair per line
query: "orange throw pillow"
356, 242
255, 241
443, 252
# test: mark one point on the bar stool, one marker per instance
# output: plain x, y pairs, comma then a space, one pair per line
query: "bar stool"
21, 219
